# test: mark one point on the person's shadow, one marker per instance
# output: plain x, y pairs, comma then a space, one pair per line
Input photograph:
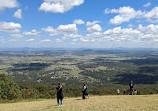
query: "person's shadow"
52, 106
78, 99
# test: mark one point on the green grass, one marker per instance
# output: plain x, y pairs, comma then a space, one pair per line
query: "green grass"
95, 103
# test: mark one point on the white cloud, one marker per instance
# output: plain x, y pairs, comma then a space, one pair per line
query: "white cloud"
150, 29
17, 35
51, 30
29, 40
70, 28
18, 14
125, 14
131, 37
8, 4
92, 23
32, 33
115, 36
95, 34
65, 38
152, 14
48, 29
46, 40
84, 40
10, 27
94, 28
72, 35
61, 29
147, 4
54, 34
74, 40
59, 6
78, 21
117, 31
59, 40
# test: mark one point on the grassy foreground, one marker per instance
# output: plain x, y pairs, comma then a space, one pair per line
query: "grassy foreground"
95, 103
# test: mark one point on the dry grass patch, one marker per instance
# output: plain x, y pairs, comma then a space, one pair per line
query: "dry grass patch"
95, 103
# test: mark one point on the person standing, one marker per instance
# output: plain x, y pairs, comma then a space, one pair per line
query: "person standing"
118, 91
135, 92
83, 91
124, 92
131, 87
59, 94
86, 91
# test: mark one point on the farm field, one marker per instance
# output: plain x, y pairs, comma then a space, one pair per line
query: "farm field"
91, 66
95, 103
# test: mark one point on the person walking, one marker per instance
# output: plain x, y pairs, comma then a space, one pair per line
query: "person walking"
131, 87
59, 94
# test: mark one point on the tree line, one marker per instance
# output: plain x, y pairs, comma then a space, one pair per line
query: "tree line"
10, 90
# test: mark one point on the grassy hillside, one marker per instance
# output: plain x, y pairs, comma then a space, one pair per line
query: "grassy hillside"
95, 103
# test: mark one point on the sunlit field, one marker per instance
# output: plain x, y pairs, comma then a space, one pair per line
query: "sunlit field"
95, 103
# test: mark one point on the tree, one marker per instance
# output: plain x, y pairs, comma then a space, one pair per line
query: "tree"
8, 88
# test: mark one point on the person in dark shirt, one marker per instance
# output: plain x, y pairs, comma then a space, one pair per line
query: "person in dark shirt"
83, 91
59, 93
86, 91
124, 92
131, 87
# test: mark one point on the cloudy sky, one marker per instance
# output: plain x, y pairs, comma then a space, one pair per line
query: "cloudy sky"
79, 23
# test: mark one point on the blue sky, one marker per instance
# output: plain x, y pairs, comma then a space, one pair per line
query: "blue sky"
79, 23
